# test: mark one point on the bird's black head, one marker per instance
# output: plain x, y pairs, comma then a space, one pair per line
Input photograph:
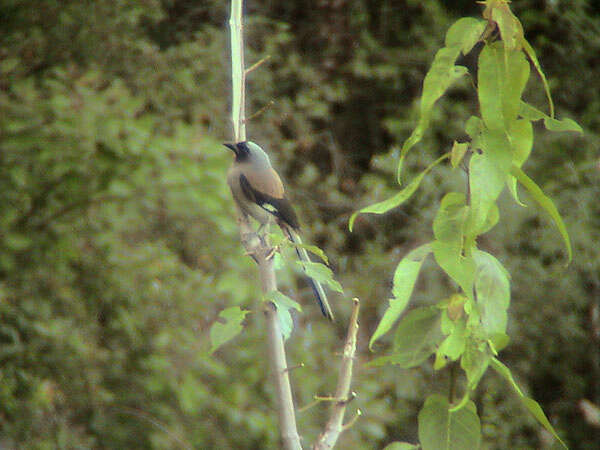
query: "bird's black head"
240, 149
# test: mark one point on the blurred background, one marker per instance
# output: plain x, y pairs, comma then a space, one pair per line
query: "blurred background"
118, 241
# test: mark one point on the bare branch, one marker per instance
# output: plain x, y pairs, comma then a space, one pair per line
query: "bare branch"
258, 246
343, 396
238, 75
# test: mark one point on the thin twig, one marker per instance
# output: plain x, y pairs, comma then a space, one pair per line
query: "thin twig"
260, 111
257, 64
343, 396
299, 366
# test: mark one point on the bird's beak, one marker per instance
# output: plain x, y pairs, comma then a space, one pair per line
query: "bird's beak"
232, 147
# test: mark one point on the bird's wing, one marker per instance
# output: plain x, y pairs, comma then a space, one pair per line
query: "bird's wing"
266, 181
275, 204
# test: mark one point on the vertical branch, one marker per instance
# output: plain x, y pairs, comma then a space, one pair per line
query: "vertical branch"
238, 76
343, 396
287, 413
258, 247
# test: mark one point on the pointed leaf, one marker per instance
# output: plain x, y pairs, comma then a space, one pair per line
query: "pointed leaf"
417, 335
284, 304
441, 75
228, 328
533, 406
465, 33
400, 197
536, 64
531, 113
448, 225
321, 273
510, 27
315, 250
441, 429
405, 277
488, 173
460, 268
493, 292
545, 202
475, 362
502, 77
521, 138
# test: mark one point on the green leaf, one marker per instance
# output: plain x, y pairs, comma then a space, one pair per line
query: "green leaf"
401, 446
531, 113
284, 304
454, 345
458, 152
416, 337
441, 429
321, 273
536, 64
228, 328
465, 33
474, 127
510, 27
521, 138
533, 406
460, 268
514, 79
493, 292
488, 172
405, 277
475, 361
399, 198
315, 250
546, 203
489, 84
491, 220
441, 75
448, 225
501, 77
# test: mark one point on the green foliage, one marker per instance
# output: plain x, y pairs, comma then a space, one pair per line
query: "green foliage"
399, 198
529, 403
229, 327
546, 203
500, 144
321, 273
416, 337
405, 278
284, 304
440, 428
443, 73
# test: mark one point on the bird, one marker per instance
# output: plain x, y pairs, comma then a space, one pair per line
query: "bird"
258, 191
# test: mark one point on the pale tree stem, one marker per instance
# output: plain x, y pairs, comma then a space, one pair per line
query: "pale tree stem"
343, 396
259, 249
238, 75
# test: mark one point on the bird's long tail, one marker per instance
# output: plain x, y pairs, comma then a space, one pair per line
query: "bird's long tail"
316, 286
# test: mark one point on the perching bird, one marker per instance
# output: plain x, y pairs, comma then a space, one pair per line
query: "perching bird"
258, 191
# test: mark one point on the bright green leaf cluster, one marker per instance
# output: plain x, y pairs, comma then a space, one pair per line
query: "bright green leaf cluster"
470, 325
